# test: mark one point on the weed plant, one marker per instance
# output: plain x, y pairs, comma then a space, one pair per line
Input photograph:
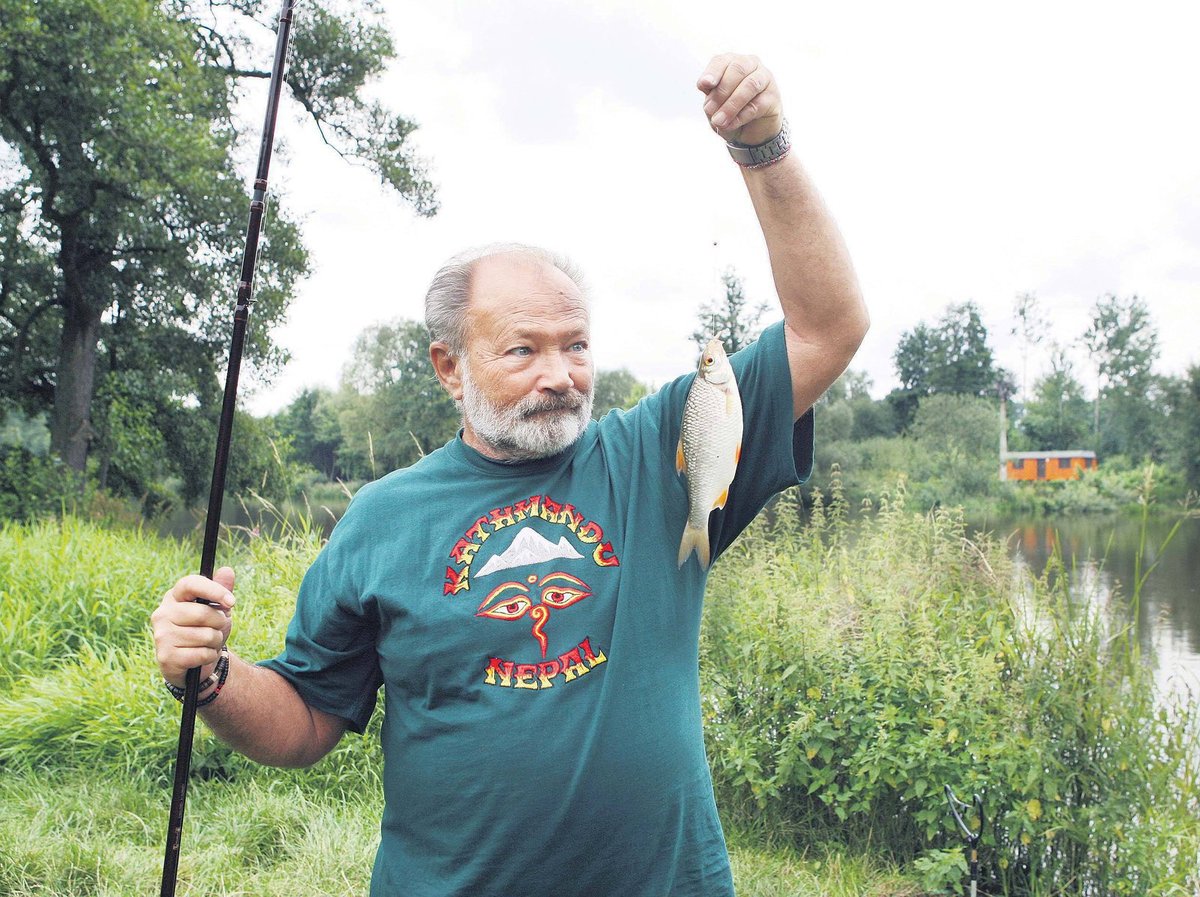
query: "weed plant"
854, 668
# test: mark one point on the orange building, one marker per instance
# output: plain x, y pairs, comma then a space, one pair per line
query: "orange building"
1047, 465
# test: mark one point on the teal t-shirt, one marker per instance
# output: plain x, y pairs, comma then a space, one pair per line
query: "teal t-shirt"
538, 648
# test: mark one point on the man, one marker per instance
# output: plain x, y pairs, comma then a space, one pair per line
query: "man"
517, 591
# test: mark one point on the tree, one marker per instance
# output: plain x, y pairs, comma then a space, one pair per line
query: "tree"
1122, 342
392, 409
616, 389
731, 319
122, 213
310, 423
1183, 430
952, 358
1057, 417
1030, 326
966, 424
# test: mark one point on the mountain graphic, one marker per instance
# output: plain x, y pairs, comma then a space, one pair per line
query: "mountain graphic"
528, 548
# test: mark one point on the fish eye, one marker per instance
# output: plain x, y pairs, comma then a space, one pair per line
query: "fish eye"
708, 359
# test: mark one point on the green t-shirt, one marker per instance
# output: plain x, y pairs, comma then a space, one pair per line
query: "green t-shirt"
538, 650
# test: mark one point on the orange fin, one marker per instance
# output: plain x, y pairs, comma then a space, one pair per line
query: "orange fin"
737, 454
680, 463
695, 539
722, 498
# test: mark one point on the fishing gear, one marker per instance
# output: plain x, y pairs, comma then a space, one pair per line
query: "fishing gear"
212, 526
972, 837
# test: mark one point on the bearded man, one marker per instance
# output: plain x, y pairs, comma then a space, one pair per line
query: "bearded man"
516, 592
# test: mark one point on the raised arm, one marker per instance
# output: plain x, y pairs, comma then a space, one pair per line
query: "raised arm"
258, 713
826, 318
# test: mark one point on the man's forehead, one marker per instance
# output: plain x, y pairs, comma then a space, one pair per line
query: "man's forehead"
516, 276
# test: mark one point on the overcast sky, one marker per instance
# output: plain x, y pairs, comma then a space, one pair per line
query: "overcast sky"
968, 152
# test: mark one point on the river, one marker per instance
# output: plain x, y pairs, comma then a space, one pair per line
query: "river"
1100, 553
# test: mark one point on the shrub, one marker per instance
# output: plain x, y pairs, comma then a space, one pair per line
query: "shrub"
853, 669
33, 485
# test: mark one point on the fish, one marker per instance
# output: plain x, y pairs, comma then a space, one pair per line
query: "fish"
710, 446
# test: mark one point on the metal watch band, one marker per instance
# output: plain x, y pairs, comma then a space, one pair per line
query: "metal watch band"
763, 153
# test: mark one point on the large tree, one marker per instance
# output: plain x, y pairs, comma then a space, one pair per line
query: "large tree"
1057, 416
122, 206
1122, 342
951, 358
392, 409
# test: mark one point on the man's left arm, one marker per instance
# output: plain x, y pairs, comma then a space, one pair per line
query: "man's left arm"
824, 313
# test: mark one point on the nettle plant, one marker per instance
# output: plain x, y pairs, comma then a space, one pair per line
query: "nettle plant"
855, 665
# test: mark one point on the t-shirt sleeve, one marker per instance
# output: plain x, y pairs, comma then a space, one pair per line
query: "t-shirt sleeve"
329, 655
777, 451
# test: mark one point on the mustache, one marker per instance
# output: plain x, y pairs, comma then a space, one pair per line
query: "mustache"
572, 400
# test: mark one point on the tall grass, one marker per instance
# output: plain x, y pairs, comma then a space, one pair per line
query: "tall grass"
851, 669
855, 668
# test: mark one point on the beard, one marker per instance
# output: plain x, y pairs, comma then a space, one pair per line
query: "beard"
533, 427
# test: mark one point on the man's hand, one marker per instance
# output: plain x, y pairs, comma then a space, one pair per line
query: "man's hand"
742, 99
190, 634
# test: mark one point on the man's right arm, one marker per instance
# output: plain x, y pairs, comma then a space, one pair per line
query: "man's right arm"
258, 713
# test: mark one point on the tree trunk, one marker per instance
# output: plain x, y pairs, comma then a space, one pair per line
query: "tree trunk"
70, 425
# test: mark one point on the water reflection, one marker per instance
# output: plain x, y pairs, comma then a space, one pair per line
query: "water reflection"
1100, 555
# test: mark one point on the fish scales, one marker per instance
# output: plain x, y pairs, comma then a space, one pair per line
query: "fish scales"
709, 447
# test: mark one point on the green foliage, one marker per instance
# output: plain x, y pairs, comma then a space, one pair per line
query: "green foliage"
33, 486
731, 319
1183, 440
310, 425
854, 668
616, 389
392, 410
952, 357
122, 212
1058, 416
958, 423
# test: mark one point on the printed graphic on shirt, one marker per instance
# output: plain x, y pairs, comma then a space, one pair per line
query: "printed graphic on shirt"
531, 598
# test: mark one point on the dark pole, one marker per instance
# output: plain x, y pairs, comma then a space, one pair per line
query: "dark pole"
212, 526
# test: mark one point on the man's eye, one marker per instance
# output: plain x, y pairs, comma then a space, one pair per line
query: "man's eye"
579, 347
520, 351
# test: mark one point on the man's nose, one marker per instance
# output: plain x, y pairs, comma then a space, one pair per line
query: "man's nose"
555, 373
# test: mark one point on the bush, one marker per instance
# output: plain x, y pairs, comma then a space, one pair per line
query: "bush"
33, 486
853, 669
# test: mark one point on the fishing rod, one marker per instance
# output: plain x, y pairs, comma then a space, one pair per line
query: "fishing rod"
212, 525
972, 837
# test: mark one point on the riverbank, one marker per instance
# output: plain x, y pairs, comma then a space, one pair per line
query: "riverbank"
850, 669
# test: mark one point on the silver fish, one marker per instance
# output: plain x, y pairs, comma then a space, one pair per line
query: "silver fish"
710, 446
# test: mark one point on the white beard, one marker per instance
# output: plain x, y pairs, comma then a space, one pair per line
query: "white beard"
534, 427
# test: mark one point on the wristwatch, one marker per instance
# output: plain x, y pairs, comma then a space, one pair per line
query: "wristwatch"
762, 153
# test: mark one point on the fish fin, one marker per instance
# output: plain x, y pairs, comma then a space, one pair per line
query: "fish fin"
695, 538
721, 499
737, 455
680, 462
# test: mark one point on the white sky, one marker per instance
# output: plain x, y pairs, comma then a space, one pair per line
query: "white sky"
968, 152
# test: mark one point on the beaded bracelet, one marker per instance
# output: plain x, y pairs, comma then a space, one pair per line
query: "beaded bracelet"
213, 678
223, 666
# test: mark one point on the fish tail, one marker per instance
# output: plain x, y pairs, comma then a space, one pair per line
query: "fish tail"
695, 538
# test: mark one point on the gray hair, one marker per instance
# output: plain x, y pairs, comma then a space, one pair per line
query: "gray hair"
448, 294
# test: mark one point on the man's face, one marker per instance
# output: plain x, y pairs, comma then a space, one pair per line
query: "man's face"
526, 379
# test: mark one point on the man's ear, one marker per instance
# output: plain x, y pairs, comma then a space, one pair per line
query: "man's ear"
446, 366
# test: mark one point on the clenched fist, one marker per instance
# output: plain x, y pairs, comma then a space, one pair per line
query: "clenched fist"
188, 633
742, 99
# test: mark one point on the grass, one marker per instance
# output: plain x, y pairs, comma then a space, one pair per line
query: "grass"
79, 835
850, 669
